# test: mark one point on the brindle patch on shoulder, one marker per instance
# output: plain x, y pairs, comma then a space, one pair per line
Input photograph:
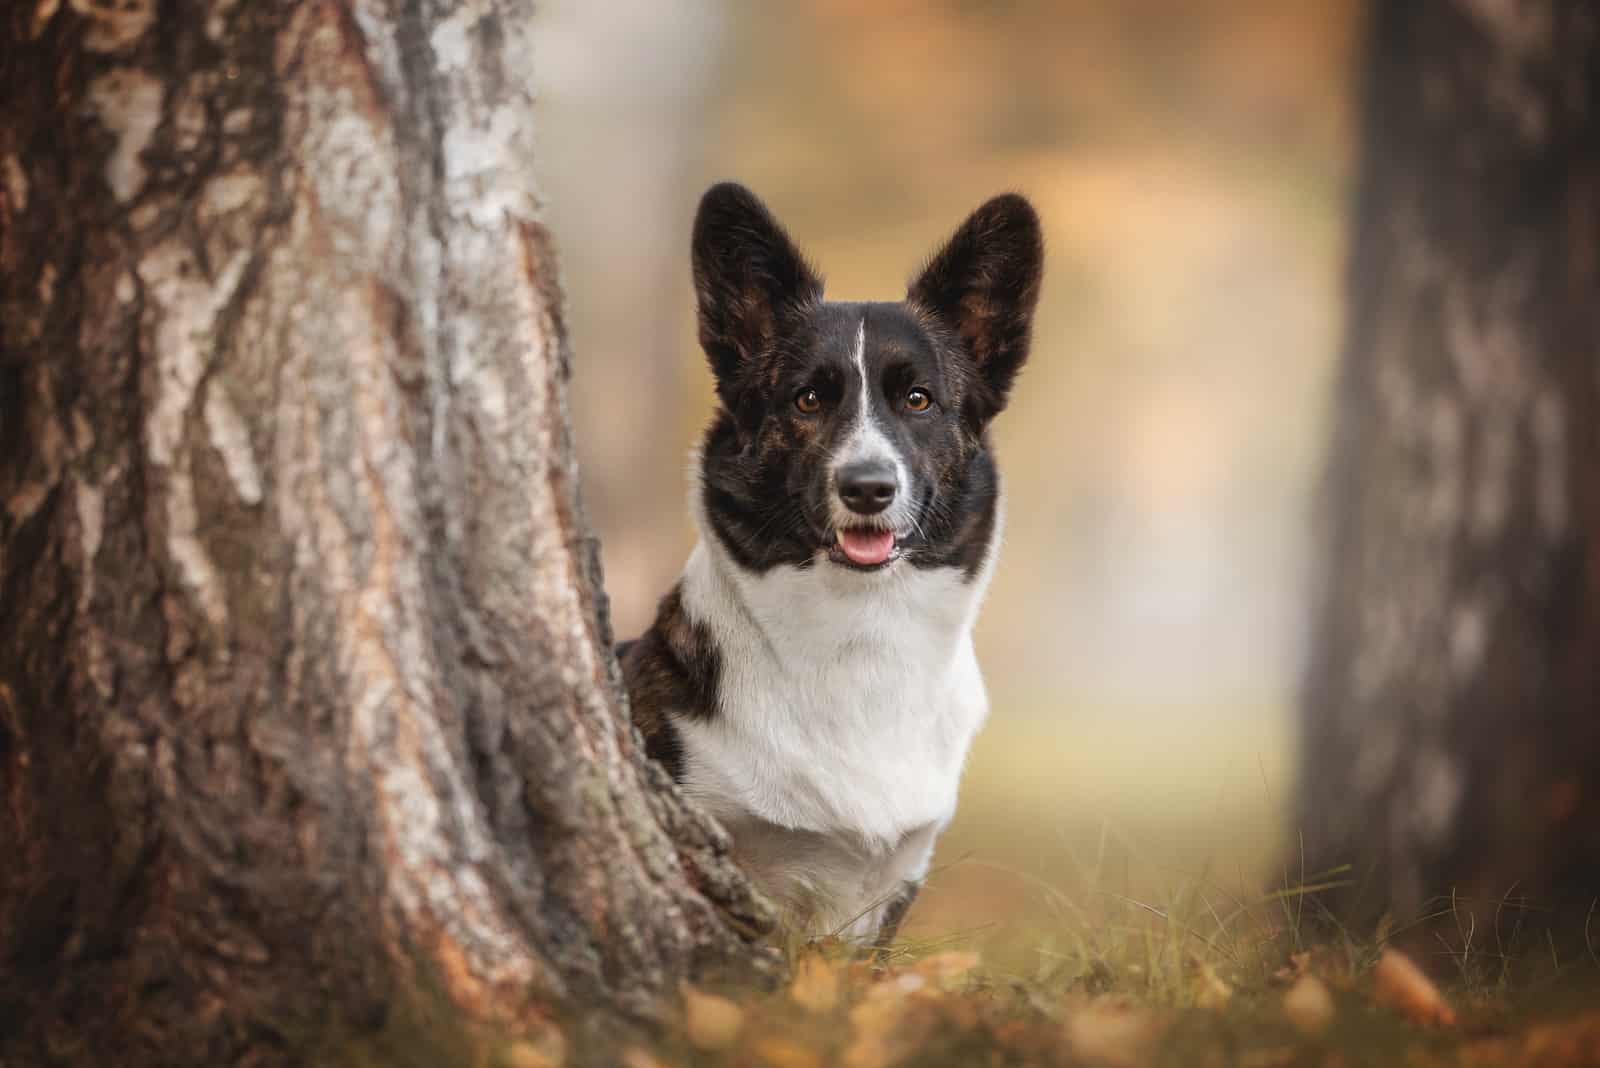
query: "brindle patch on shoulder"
672, 670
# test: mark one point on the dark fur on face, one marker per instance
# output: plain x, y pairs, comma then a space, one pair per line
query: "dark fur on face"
960, 335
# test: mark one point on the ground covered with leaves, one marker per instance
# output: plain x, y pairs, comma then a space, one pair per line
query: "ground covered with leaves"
1199, 978
1105, 906
1323, 1007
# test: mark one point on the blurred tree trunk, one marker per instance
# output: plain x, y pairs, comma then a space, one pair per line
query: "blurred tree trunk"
307, 710
1452, 730
632, 132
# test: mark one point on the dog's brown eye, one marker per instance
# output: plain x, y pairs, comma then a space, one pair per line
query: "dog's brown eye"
807, 401
918, 400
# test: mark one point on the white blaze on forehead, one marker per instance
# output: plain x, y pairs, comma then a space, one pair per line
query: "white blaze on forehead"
867, 440
860, 357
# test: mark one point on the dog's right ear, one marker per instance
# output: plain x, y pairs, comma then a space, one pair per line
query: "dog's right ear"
747, 275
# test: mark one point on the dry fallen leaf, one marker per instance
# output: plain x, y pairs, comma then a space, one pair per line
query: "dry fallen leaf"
635, 1057
946, 967
783, 1053
1309, 1005
711, 1022
527, 1055
546, 1048
878, 1035
1398, 984
1117, 1036
895, 986
1569, 1042
816, 984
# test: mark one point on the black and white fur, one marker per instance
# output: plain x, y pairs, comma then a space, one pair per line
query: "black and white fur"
811, 680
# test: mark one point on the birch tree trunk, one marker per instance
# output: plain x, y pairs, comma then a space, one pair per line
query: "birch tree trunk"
1452, 728
308, 713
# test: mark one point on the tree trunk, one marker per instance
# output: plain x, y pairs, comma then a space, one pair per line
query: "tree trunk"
308, 713
1452, 743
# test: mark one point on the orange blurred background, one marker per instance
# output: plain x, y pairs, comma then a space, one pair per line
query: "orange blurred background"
1191, 161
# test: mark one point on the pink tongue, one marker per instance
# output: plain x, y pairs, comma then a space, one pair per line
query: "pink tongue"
867, 547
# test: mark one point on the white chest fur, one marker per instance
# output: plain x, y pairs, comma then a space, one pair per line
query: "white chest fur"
847, 704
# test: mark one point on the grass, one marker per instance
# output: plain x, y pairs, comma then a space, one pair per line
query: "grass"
1111, 904
1202, 978
1063, 814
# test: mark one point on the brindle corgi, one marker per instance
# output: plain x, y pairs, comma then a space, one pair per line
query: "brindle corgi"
811, 679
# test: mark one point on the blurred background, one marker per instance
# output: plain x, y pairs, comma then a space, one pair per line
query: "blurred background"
1191, 160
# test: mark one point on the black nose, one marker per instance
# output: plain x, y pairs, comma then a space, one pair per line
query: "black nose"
866, 488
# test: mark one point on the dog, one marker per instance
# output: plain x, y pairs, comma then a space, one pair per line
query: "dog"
811, 680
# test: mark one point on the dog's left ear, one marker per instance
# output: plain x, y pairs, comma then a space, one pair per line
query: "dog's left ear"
983, 285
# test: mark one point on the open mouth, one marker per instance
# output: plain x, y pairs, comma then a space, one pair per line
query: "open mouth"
865, 548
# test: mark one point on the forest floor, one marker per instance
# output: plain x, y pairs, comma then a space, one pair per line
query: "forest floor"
1158, 989
1099, 901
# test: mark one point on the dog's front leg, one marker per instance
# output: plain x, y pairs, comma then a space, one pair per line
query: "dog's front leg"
894, 912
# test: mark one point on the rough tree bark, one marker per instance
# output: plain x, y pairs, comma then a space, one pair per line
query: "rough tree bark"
1452, 742
307, 708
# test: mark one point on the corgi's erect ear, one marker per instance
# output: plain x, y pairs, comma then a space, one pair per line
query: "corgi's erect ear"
747, 276
983, 286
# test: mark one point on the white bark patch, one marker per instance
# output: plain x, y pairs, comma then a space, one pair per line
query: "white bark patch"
128, 104
16, 182
1437, 788
91, 525
482, 163
115, 25
231, 438
189, 114
90, 501
1469, 638
181, 302
353, 177
217, 21
82, 432
180, 314
41, 17
145, 216
50, 449
1376, 759
228, 193
452, 50
26, 500
47, 286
